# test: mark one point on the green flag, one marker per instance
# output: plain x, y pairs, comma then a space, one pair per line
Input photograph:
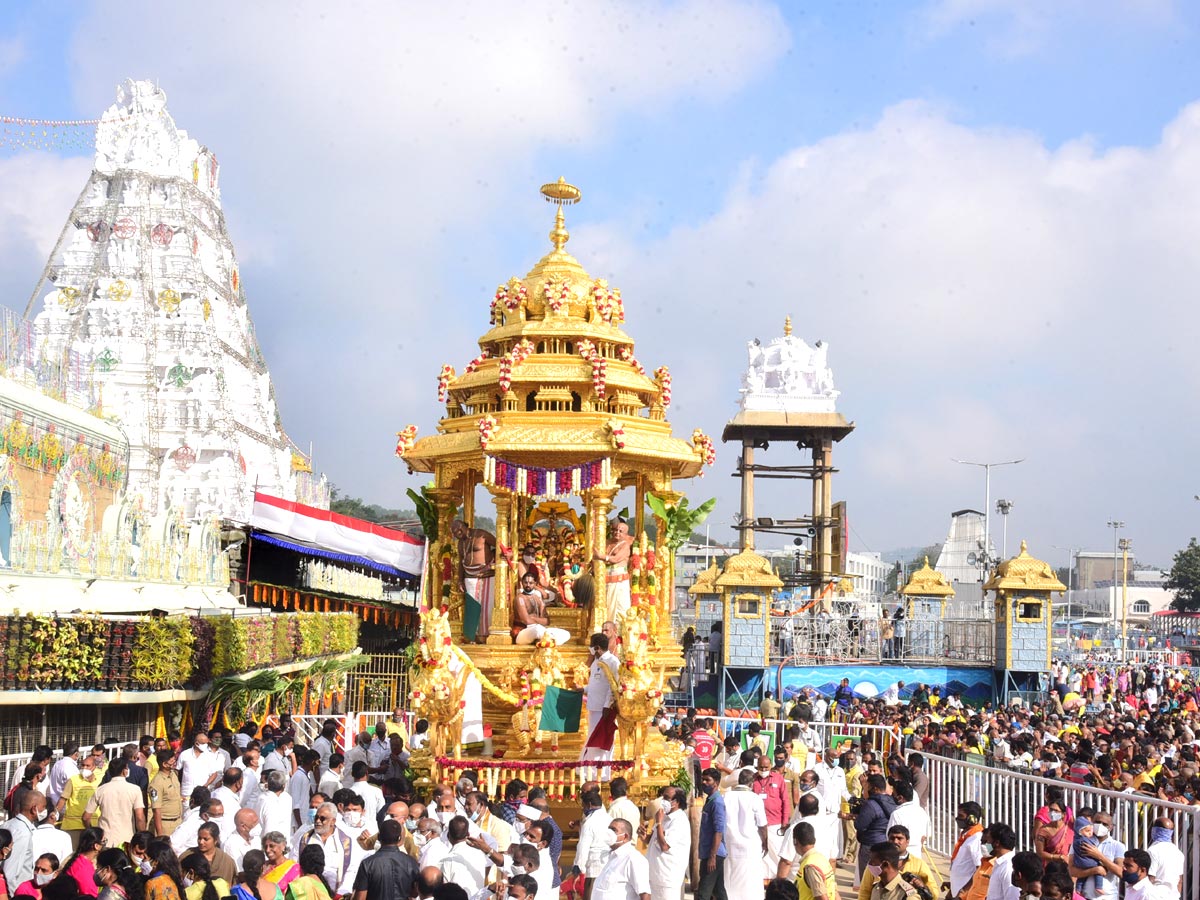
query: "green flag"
560, 710
471, 613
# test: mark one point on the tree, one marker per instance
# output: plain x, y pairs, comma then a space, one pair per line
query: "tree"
1184, 578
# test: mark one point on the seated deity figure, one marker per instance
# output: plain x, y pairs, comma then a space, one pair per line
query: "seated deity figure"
530, 620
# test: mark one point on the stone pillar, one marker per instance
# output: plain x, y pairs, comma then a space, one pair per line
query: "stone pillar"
499, 627
747, 533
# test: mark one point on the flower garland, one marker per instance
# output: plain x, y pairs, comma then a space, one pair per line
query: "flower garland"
444, 761
406, 440
625, 353
510, 297
663, 376
446, 376
487, 428
599, 367
607, 302
534, 481
705, 447
617, 430
511, 359
557, 295
477, 361
497, 692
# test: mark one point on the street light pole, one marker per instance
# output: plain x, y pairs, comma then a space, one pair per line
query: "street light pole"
1004, 507
987, 503
1125, 544
1071, 551
1116, 526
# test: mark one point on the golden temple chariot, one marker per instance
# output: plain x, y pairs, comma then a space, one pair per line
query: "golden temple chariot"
552, 420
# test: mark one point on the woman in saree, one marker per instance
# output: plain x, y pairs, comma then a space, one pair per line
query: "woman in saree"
310, 885
252, 884
279, 870
1053, 840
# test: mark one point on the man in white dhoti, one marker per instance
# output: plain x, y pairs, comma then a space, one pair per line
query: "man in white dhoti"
476, 558
529, 615
616, 561
745, 840
601, 708
669, 846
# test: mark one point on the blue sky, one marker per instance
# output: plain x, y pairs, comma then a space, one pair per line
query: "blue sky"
985, 206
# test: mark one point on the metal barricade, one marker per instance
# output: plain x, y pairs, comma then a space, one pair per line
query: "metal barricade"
868, 737
12, 765
1014, 797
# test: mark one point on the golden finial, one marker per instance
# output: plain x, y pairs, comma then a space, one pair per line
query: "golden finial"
560, 194
787, 327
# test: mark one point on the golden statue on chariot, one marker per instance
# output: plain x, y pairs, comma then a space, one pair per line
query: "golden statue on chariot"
553, 420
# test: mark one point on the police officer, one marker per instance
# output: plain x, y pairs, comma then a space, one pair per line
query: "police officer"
884, 864
166, 797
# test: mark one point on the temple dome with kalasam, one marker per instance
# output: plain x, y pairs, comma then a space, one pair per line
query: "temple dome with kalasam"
551, 421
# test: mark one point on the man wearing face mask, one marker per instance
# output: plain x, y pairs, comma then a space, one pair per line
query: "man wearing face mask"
48, 838
18, 868
1138, 883
883, 863
353, 820
537, 835
479, 814
626, 875
244, 837
465, 865
1107, 853
118, 807
1004, 839
669, 846
772, 787
712, 850
591, 851
1166, 860
601, 705
74, 799
745, 839
342, 853
428, 839
968, 848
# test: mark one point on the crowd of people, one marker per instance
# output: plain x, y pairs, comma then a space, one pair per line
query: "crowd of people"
780, 807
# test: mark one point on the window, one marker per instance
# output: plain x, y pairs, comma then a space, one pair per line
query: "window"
1029, 609
747, 605
1140, 607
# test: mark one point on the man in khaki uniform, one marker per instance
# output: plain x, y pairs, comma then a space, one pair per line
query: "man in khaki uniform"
884, 864
166, 797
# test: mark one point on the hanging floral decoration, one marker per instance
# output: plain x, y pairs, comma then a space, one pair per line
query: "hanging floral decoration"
509, 298
599, 367
446, 376
663, 376
607, 302
705, 447
534, 481
477, 361
406, 440
557, 295
477, 763
511, 360
625, 354
487, 428
617, 431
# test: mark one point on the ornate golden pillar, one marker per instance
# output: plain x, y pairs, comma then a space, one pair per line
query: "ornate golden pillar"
445, 501
498, 628
639, 517
666, 587
599, 506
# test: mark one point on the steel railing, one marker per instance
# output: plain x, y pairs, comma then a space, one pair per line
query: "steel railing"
876, 737
12, 764
840, 639
1014, 797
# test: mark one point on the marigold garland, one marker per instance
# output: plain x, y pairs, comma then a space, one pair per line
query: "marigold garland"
663, 376
497, 692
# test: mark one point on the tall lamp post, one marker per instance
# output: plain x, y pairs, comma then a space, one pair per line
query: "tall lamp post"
1071, 551
1125, 544
1116, 526
987, 503
1004, 507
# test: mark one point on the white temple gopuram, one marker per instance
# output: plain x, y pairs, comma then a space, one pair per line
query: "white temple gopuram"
144, 284
787, 375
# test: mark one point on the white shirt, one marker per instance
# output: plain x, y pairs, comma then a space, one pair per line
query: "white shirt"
300, 788
354, 754
60, 773
1166, 866
916, 820
667, 868
1147, 889
1105, 887
331, 783
184, 836
48, 839
964, 864
342, 856
372, 798
891, 696
591, 851
465, 866
276, 760
275, 813
625, 876
832, 782
230, 800
432, 854
599, 691
624, 808
237, 847
1000, 886
195, 769
744, 815
251, 786
324, 748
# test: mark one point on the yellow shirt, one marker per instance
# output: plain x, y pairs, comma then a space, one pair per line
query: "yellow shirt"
75, 794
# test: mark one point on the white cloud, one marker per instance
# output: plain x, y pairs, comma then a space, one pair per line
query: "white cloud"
1021, 27
985, 296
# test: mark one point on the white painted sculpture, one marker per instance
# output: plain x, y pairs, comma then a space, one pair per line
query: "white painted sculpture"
788, 375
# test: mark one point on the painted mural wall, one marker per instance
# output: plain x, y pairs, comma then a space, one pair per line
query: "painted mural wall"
974, 685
